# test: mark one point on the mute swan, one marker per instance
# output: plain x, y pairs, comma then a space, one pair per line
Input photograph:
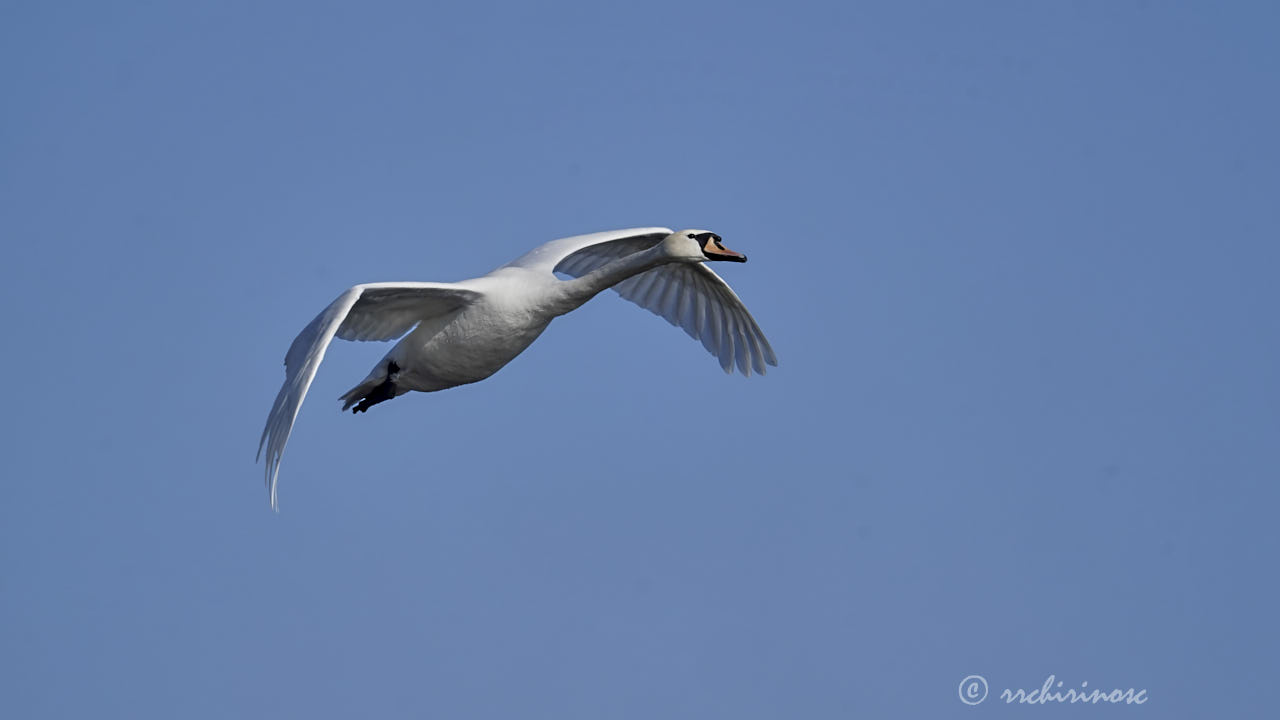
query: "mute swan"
466, 331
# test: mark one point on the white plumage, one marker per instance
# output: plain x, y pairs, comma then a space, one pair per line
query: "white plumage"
463, 332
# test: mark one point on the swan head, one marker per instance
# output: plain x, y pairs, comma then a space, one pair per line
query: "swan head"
699, 246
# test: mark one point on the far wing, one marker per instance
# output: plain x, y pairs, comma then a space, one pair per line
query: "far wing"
377, 311
690, 296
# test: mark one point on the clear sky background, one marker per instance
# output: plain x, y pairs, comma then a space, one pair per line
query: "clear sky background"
1018, 260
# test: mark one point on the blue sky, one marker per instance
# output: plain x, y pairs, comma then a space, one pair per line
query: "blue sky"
1018, 261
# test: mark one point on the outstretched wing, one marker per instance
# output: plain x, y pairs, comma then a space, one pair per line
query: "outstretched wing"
377, 311
690, 296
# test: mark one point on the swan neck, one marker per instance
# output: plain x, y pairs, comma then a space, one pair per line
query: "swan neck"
577, 291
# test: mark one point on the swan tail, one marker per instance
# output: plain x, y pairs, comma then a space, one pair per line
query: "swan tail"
375, 389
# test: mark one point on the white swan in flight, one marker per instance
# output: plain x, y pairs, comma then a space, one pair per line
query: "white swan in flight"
466, 331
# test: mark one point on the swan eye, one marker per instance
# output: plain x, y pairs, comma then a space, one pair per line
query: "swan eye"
692, 236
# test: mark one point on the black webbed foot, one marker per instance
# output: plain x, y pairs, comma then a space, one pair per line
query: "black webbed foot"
381, 393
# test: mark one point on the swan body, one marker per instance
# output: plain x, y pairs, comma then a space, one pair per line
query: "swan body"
459, 333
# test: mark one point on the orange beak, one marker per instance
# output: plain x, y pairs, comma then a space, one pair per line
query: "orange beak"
714, 250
